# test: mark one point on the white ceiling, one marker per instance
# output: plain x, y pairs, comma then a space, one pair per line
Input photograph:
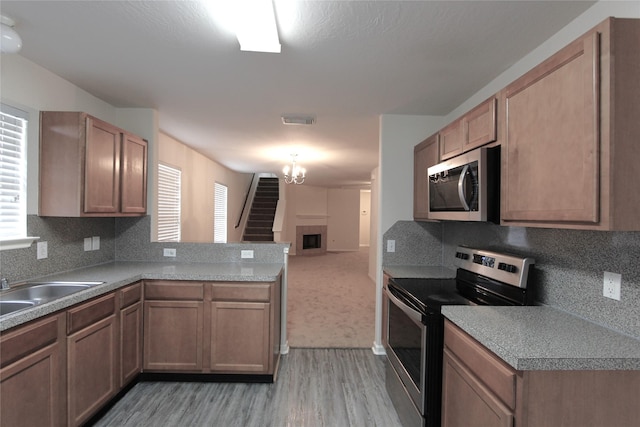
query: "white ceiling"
345, 62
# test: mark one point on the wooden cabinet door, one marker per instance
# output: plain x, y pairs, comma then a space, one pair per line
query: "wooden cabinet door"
92, 369
173, 335
134, 174
480, 126
102, 168
451, 140
551, 151
130, 343
425, 155
32, 374
30, 390
240, 338
466, 402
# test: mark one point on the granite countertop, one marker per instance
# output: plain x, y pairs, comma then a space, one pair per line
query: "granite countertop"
118, 274
419, 271
543, 338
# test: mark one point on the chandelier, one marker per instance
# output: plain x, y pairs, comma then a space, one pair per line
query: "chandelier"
294, 174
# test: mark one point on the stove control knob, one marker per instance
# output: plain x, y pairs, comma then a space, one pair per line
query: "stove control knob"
462, 255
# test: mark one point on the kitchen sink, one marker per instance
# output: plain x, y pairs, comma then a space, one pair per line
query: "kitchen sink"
33, 293
7, 307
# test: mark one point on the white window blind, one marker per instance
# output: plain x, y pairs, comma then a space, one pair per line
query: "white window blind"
168, 203
220, 214
13, 173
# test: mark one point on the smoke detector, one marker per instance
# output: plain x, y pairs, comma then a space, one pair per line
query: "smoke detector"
298, 120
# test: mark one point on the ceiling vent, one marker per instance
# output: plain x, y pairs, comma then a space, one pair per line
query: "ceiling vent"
298, 120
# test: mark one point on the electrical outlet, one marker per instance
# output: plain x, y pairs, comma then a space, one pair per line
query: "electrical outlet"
95, 243
87, 244
611, 285
170, 252
391, 245
246, 253
42, 250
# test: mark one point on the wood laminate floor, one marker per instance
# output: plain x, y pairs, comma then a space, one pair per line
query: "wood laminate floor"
315, 387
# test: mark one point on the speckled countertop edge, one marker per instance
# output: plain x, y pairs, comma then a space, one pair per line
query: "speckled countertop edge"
118, 274
544, 338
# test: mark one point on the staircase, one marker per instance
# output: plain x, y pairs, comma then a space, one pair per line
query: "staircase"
263, 209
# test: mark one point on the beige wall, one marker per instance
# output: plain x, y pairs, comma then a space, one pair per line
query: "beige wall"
338, 209
365, 217
199, 174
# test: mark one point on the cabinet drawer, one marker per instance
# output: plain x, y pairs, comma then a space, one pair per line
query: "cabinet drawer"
173, 290
260, 292
130, 295
491, 370
27, 339
86, 314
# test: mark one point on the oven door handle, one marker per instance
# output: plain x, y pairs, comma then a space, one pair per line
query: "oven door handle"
413, 314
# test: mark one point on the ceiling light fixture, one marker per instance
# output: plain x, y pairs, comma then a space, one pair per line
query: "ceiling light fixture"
256, 28
297, 174
10, 41
252, 21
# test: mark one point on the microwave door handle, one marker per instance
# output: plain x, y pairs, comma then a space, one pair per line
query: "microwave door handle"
461, 194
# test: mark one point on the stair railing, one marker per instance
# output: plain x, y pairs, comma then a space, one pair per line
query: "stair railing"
246, 199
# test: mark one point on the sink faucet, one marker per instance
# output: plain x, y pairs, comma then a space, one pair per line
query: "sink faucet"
4, 283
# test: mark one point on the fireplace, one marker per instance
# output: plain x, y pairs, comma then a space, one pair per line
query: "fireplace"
311, 239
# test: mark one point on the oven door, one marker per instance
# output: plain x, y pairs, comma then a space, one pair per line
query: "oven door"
406, 344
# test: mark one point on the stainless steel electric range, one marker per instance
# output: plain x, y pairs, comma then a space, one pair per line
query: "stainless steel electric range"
415, 326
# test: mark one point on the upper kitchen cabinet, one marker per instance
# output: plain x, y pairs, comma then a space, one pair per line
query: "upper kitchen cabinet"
425, 155
569, 157
90, 168
451, 140
474, 129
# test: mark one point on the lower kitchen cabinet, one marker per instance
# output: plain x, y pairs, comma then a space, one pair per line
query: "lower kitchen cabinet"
480, 389
245, 326
130, 333
173, 335
92, 350
32, 374
467, 402
240, 337
212, 327
173, 326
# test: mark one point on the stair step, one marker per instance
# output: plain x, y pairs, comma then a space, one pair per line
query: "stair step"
263, 209
258, 232
260, 223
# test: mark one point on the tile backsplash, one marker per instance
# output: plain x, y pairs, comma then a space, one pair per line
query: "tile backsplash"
570, 264
121, 239
65, 242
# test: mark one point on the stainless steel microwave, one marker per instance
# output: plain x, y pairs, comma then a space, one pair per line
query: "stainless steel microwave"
466, 187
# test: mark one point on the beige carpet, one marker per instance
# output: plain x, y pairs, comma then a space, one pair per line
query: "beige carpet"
331, 301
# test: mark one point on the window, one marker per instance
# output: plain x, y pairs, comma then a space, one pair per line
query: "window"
13, 173
220, 214
168, 203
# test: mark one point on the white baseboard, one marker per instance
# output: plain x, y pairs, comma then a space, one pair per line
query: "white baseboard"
378, 350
